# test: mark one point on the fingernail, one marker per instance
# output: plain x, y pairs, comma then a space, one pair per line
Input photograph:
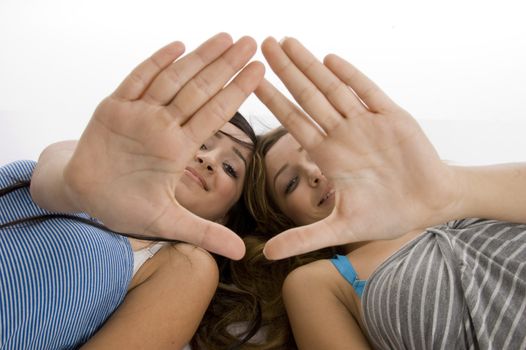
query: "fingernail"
283, 40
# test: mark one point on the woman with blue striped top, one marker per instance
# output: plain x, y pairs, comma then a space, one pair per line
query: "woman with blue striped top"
414, 274
154, 162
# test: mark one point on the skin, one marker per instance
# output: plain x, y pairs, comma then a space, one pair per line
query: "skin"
387, 174
296, 183
143, 136
306, 196
146, 140
389, 183
213, 180
159, 310
221, 163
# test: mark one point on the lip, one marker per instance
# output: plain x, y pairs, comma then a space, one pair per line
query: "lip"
193, 174
327, 197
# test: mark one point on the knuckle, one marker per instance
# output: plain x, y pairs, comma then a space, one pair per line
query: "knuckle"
202, 85
175, 78
219, 110
137, 79
333, 88
307, 94
154, 60
283, 67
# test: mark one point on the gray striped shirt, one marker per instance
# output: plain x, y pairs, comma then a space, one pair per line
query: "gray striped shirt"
457, 286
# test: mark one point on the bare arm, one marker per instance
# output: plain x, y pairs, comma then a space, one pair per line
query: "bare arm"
320, 307
493, 192
165, 308
48, 188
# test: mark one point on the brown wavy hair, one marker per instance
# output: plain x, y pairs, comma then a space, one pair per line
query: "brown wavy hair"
250, 289
253, 285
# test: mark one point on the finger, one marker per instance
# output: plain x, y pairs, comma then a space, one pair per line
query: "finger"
180, 224
304, 239
220, 109
304, 130
302, 89
141, 77
375, 99
211, 79
175, 76
339, 94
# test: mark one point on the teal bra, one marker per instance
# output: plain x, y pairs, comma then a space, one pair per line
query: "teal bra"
344, 266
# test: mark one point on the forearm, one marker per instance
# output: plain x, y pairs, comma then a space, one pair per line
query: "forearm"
48, 188
493, 192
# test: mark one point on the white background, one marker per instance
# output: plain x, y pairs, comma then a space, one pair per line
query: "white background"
457, 66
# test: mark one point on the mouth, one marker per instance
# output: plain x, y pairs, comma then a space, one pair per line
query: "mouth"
193, 174
327, 196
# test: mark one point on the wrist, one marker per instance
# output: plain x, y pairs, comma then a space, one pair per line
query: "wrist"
70, 193
49, 188
448, 198
462, 203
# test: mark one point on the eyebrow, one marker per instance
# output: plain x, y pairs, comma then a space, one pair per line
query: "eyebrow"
282, 169
220, 134
240, 155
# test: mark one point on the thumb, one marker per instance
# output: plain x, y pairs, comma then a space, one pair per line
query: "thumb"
325, 233
180, 224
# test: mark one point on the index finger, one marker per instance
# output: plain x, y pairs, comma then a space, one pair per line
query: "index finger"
216, 112
299, 124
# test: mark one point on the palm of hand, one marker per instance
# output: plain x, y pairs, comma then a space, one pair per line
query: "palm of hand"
388, 176
131, 163
130, 158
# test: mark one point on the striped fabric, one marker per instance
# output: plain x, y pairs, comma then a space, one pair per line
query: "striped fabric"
59, 279
457, 286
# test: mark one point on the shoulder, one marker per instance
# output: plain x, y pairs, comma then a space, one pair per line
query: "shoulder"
321, 280
320, 274
174, 260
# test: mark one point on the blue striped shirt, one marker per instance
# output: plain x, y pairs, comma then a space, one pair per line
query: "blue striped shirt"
60, 279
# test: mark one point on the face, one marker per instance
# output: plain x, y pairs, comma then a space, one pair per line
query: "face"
296, 183
213, 181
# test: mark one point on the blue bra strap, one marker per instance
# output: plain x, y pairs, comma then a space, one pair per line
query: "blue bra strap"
344, 266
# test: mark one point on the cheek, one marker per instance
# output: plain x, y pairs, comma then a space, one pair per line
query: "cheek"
228, 190
298, 208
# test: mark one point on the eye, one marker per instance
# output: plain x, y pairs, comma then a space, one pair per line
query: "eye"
229, 169
291, 185
203, 147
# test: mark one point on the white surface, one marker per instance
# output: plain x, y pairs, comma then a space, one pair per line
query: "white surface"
457, 66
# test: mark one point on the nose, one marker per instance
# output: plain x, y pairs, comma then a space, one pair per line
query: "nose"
315, 175
206, 161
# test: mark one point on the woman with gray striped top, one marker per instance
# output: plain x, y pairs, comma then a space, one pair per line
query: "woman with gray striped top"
415, 274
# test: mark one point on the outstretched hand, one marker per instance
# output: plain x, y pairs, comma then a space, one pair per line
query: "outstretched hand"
388, 177
135, 148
